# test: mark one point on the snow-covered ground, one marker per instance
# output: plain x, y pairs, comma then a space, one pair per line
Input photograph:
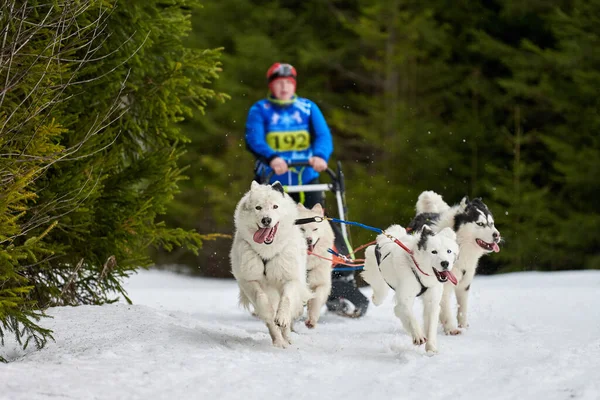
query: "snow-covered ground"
532, 336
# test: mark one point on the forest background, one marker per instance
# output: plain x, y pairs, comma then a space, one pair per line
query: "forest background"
491, 99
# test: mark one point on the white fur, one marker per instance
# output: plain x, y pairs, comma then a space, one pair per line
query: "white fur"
321, 236
276, 289
470, 253
397, 268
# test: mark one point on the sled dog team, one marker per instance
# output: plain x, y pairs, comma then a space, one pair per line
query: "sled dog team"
278, 269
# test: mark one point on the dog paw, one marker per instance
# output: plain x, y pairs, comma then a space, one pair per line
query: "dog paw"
452, 331
430, 349
463, 325
282, 321
419, 340
310, 324
281, 344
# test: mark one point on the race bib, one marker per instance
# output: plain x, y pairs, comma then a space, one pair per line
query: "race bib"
289, 141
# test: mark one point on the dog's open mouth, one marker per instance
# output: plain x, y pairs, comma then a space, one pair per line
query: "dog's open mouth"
488, 246
311, 246
265, 235
444, 276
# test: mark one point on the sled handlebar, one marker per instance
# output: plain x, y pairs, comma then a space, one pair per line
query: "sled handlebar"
329, 171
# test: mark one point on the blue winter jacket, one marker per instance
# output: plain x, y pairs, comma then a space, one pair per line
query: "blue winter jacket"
294, 132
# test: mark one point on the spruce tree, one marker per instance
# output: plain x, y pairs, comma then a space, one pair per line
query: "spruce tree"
91, 147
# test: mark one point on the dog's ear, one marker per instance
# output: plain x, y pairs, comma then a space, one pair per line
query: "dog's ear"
277, 186
424, 233
318, 209
300, 206
448, 232
464, 203
254, 185
426, 230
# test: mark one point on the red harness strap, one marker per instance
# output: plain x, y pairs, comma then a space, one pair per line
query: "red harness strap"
409, 251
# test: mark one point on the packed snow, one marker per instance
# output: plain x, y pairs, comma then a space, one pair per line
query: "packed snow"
532, 336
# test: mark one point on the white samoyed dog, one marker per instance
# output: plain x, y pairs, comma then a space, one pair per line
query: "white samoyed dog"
268, 259
476, 235
319, 237
387, 265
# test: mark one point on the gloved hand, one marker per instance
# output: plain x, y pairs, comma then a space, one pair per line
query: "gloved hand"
318, 164
279, 165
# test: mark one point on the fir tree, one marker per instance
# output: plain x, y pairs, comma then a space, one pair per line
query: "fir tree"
91, 147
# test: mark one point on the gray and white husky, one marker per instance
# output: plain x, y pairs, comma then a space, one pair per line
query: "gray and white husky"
476, 235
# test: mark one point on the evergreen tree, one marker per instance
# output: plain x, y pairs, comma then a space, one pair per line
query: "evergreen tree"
91, 146
562, 87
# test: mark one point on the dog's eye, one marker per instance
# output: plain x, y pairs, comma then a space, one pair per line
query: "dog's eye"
302, 229
480, 224
316, 229
434, 252
258, 208
449, 251
275, 206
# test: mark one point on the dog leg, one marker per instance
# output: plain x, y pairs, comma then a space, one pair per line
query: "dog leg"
315, 304
290, 300
431, 315
446, 317
462, 299
403, 310
286, 332
277, 336
259, 299
372, 275
264, 310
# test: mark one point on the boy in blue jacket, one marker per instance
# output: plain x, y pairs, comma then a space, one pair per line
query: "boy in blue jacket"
285, 128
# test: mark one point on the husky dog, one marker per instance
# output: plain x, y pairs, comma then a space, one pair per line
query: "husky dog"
476, 235
268, 259
387, 265
319, 237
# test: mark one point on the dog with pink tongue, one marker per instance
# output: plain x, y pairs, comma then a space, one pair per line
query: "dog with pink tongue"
268, 259
476, 235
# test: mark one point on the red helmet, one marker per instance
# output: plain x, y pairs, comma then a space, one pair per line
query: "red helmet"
279, 70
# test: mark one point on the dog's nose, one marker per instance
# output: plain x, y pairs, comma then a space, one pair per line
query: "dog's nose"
445, 264
496, 236
309, 240
266, 221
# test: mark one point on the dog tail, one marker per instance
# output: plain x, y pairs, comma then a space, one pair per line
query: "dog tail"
431, 202
372, 275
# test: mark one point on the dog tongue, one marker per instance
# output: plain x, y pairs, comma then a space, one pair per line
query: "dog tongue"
261, 234
450, 276
495, 247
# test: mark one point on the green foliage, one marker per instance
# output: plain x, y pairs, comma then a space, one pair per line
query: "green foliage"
91, 147
492, 99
